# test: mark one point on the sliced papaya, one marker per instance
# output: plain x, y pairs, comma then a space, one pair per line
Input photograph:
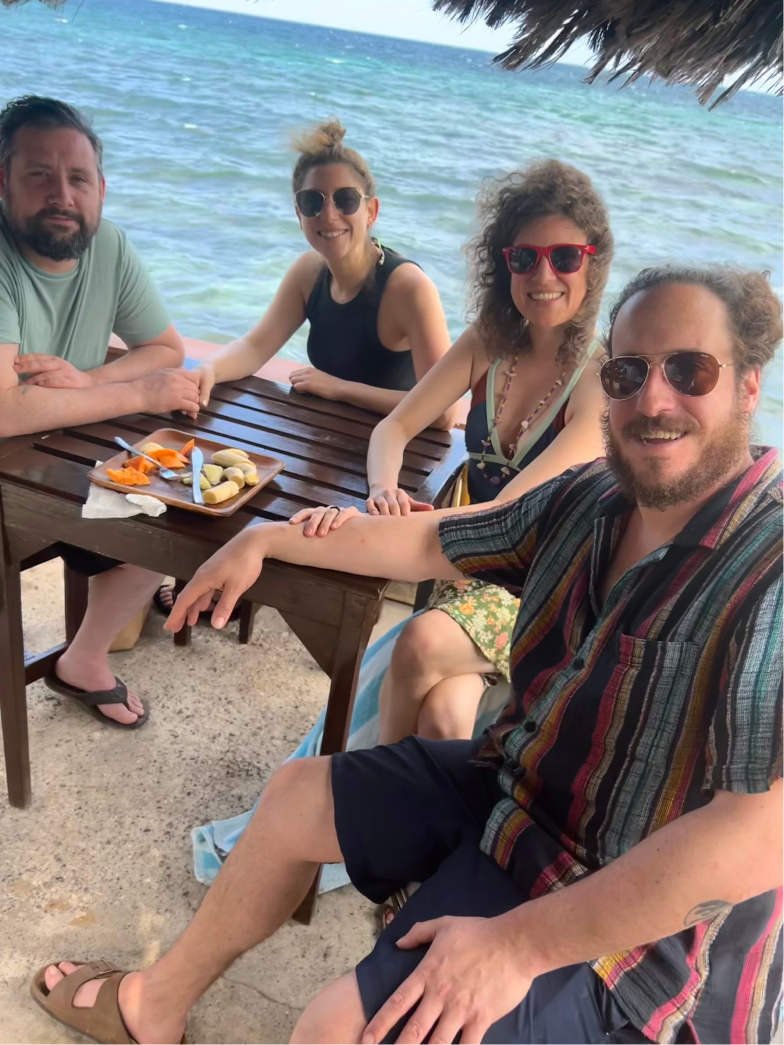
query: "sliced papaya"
169, 458
140, 465
187, 448
127, 477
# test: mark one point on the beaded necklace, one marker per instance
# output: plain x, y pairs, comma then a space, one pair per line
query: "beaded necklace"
524, 425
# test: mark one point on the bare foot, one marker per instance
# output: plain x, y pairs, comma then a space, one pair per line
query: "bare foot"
165, 1030
166, 596
98, 677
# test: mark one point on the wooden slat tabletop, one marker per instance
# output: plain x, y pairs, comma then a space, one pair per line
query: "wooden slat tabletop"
44, 483
322, 444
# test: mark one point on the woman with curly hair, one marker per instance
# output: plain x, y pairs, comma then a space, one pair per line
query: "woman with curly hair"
530, 361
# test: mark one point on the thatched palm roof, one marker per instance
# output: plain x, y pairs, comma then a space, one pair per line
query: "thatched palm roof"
695, 42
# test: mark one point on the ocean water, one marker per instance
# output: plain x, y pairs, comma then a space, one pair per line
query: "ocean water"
197, 107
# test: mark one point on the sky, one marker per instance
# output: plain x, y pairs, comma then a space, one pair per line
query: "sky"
407, 19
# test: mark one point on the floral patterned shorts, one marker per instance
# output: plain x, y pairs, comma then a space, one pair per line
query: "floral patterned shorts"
485, 612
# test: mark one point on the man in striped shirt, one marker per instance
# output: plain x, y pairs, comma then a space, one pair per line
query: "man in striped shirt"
605, 865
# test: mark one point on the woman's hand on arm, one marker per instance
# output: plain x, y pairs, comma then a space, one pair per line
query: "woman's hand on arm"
438, 390
321, 521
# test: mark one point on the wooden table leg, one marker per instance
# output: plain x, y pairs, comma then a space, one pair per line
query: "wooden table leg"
356, 623
247, 620
77, 589
13, 699
183, 636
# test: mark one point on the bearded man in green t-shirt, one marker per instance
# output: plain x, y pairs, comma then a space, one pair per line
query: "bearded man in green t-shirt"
68, 280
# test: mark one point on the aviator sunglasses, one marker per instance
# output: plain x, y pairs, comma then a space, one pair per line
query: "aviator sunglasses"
311, 201
565, 258
689, 373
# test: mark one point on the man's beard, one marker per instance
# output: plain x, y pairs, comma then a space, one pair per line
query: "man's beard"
46, 243
718, 460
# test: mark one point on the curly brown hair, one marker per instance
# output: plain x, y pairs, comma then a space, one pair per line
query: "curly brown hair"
542, 189
324, 145
753, 309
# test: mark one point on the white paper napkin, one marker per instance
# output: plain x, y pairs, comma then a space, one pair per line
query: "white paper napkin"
108, 504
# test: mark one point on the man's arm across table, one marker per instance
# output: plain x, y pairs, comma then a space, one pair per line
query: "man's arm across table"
57, 395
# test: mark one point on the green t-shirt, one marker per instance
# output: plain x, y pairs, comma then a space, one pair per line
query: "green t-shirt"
73, 315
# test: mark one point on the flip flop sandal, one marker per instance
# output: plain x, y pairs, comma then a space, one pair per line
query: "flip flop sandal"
161, 606
90, 700
387, 912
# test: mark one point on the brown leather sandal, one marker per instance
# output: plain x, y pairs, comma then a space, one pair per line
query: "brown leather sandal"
103, 1022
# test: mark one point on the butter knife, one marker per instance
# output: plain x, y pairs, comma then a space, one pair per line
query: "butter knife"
197, 460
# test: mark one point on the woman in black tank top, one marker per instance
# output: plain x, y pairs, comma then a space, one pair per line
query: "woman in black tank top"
343, 339
376, 321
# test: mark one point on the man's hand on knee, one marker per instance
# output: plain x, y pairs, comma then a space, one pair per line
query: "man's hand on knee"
473, 974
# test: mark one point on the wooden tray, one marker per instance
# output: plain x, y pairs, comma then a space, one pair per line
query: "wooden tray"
177, 494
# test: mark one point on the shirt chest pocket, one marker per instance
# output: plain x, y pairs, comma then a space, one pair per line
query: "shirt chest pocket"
652, 700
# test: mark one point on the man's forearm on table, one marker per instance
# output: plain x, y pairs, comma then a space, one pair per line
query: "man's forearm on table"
686, 872
405, 548
25, 409
136, 363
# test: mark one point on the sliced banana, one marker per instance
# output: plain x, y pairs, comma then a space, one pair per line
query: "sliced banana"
204, 482
150, 448
252, 479
214, 473
247, 467
235, 475
242, 453
216, 494
227, 458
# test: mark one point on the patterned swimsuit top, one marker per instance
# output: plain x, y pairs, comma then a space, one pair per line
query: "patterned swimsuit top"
483, 485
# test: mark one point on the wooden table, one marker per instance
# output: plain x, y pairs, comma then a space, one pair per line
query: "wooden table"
43, 484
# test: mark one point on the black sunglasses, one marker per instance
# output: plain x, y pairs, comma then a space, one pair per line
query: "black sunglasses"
689, 373
310, 202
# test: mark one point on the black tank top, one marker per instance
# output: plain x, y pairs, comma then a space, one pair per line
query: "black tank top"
343, 339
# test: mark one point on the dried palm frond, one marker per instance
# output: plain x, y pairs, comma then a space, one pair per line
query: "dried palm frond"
695, 42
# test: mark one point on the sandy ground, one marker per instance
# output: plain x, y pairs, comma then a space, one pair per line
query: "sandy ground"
100, 864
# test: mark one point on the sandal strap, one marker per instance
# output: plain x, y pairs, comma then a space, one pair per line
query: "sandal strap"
107, 1018
103, 1021
118, 695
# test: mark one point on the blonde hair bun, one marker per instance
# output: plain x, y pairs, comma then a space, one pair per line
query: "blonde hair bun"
322, 145
327, 135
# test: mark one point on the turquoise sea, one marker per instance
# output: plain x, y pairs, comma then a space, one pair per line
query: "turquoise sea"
196, 109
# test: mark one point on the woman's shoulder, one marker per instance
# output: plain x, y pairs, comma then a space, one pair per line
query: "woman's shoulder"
305, 271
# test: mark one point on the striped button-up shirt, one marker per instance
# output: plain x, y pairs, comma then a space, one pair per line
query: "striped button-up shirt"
632, 711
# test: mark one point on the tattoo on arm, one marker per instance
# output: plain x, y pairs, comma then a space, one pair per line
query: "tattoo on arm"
703, 912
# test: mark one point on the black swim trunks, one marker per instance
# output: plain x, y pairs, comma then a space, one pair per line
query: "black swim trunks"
415, 811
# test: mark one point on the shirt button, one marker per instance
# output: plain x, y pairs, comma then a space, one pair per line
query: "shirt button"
529, 725
578, 662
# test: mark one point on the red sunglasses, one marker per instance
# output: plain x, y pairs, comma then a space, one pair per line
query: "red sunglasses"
565, 258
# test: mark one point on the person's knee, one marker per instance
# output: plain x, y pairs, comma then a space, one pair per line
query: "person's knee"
420, 647
297, 809
335, 1014
436, 723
